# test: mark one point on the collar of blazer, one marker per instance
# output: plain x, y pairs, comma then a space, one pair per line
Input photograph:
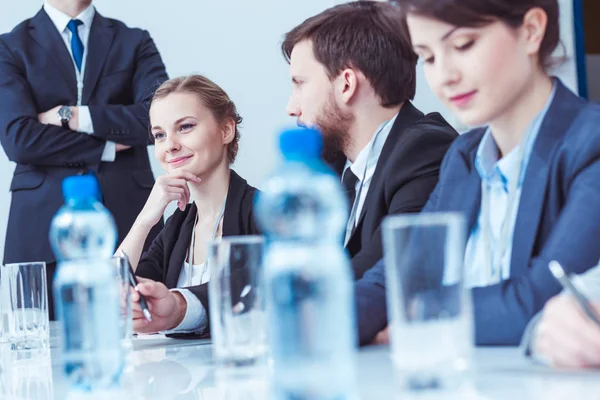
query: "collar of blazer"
466, 191
101, 36
407, 117
237, 188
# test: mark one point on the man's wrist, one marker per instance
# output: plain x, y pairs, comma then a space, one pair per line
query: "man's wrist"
74, 121
180, 309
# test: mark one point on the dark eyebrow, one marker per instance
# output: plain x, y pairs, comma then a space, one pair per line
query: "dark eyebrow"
450, 32
444, 37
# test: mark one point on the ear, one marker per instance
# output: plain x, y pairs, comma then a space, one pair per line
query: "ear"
228, 131
534, 26
347, 85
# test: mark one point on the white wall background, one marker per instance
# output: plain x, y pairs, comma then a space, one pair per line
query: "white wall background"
236, 44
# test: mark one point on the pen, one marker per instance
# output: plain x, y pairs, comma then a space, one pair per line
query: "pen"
134, 282
559, 273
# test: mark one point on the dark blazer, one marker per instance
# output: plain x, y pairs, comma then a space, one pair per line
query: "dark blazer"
37, 74
558, 219
164, 259
406, 174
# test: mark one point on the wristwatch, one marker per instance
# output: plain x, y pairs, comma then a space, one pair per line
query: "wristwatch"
65, 114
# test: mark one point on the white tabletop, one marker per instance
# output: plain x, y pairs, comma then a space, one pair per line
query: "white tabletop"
160, 368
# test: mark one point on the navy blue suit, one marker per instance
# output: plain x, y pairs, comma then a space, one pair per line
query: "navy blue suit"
37, 74
558, 219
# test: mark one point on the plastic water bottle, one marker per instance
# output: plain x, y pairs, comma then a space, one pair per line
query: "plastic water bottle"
307, 275
83, 236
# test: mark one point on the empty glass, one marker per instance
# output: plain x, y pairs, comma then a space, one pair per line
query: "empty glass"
28, 305
429, 310
126, 319
4, 304
237, 307
26, 375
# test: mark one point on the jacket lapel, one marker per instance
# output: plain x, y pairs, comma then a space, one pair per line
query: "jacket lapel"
464, 193
563, 110
407, 117
180, 248
237, 184
44, 32
99, 42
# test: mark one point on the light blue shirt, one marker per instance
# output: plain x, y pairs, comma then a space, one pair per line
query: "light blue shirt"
495, 176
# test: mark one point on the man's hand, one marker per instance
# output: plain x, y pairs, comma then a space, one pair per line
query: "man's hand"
383, 337
565, 336
50, 117
120, 147
167, 308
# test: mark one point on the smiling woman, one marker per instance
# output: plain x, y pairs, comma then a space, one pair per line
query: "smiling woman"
194, 126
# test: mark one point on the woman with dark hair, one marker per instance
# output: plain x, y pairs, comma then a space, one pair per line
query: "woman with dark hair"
527, 180
194, 126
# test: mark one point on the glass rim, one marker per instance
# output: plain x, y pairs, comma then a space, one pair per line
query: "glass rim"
238, 239
25, 263
425, 219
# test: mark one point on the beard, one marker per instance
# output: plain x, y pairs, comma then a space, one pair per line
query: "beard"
334, 125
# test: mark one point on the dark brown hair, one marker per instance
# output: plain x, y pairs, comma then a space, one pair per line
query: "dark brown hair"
212, 96
369, 36
474, 13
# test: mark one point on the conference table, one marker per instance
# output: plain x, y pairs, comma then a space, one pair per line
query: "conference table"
165, 368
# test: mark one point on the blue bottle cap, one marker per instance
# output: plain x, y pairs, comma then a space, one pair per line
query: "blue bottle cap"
80, 187
301, 143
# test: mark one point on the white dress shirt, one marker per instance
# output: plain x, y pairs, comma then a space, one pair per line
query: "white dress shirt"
366, 162
60, 21
195, 319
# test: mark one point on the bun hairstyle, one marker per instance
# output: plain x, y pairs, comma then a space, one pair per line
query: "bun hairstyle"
212, 96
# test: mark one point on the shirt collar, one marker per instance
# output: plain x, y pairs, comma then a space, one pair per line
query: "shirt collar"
372, 150
61, 20
487, 163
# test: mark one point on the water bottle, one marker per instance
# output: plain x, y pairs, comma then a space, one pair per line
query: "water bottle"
83, 236
307, 274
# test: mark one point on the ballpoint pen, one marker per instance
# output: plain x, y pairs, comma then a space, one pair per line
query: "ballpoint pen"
134, 282
559, 273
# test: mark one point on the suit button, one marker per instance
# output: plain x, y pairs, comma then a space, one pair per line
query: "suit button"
81, 172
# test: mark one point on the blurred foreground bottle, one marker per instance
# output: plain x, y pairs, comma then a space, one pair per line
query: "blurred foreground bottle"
83, 236
308, 278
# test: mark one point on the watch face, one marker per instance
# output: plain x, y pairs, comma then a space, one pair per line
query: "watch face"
65, 113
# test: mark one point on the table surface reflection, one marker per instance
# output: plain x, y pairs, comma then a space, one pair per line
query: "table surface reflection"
160, 368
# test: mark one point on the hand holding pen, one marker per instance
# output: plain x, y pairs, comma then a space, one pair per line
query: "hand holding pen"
568, 334
134, 283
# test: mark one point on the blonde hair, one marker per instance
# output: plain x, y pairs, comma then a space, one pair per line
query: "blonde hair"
212, 96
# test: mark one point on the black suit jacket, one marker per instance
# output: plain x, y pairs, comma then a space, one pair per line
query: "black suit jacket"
164, 259
36, 74
406, 174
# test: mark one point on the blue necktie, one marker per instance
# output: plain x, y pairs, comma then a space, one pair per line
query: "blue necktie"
76, 43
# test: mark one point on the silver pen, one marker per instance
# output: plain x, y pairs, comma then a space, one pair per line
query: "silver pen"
560, 275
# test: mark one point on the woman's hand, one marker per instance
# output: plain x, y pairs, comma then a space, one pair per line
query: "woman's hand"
168, 188
566, 337
167, 308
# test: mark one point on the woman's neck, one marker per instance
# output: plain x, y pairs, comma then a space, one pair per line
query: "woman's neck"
210, 193
509, 127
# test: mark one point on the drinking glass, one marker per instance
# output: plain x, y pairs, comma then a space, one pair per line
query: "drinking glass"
237, 307
124, 282
430, 316
28, 322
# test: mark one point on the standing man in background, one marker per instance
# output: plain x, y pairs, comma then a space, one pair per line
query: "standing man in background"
353, 72
74, 88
